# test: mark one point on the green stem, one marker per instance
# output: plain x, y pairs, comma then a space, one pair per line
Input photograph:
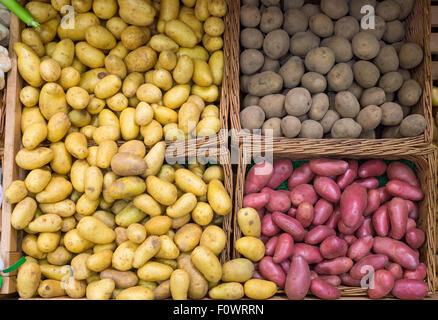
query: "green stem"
21, 13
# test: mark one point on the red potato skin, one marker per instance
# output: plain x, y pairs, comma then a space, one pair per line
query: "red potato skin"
331, 280
302, 175
333, 247
404, 190
368, 183
308, 252
348, 281
318, 235
292, 212
381, 222
285, 265
324, 290
415, 238
328, 167
353, 204
400, 171
258, 177
366, 229
334, 219
322, 211
261, 212
327, 188
289, 225
419, 274
373, 202
411, 224
270, 246
397, 252
257, 275
256, 200
372, 168
398, 217
269, 228
407, 289
264, 238
384, 195
303, 193
305, 214
414, 213
360, 248
279, 201
284, 248
272, 271
383, 284
313, 275
334, 267
298, 279
343, 229
377, 261
349, 176
283, 168
349, 238
396, 270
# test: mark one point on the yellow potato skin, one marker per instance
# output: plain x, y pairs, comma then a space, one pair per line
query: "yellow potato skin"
218, 198
183, 206
100, 261
258, 289
75, 243
213, 238
162, 191
58, 189
187, 181
28, 64
48, 241
181, 33
202, 214
126, 187
146, 251
50, 289
100, 290
237, 270
136, 293
94, 230
251, 248
17, 191
58, 126
249, 222
179, 284
207, 263
148, 205
124, 255
62, 161
33, 159
188, 237
28, 279
34, 135
154, 271
227, 291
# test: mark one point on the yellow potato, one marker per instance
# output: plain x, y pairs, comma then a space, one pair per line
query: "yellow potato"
155, 158
128, 126
152, 133
212, 44
158, 225
162, 79
74, 243
149, 93
144, 114
121, 235
136, 293
213, 173
210, 111
167, 173
208, 94
201, 10
198, 286
62, 161
58, 273
179, 222
100, 290
68, 224
249, 222
260, 289
85, 206
52, 100
176, 96
124, 255
154, 271
89, 56
202, 75
79, 67
50, 289
107, 87
57, 189
106, 217
187, 16
75, 289
105, 9
126, 187
183, 206
146, 251
100, 38
131, 83
23, 213
227, 291
29, 247
116, 25
64, 209
122, 279
107, 149
95, 105
183, 71
217, 8
202, 214
133, 37
135, 147
162, 191
189, 3
117, 102
128, 164
76, 144
93, 182
57, 127
100, 260
179, 284
30, 116
80, 119
60, 256
208, 126
137, 12
141, 59
47, 30
188, 117
237, 270
64, 53
167, 60
218, 198
207, 263
161, 42
148, 205
28, 279
28, 64
31, 38
29, 97
173, 133
188, 237
81, 5
181, 33
162, 291
106, 133
214, 26
77, 175
50, 70
94, 230
17, 190
129, 215
216, 64
213, 238
46, 223
77, 97
48, 241
187, 181
197, 52
251, 248
90, 78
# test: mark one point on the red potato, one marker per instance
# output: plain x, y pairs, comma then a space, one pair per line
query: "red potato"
256, 265
383, 282
328, 167
285, 265
334, 219
313, 275
305, 214
414, 212
360, 248
303, 193
322, 211
334, 267
415, 238
419, 274
327, 188
284, 248
270, 246
302, 175
360, 269
308, 252
381, 222
402, 172
373, 202
331, 280
289, 225
411, 224
261, 212
398, 217
272, 271
324, 290
292, 212
264, 239
396, 270
343, 229
333, 247
349, 238
366, 229
258, 177
384, 195
257, 275
353, 204
348, 281
397, 251
286, 192
269, 228
256, 200
368, 183
349, 176
372, 168
298, 278
404, 190
279, 201
407, 289
283, 168
318, 234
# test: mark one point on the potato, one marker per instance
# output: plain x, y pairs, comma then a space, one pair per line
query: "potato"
340, 78
272, 19
188, 237
48, 241
100, 260
346, 27
141, 59
372, 96
388, 10
320, 60
129, 215
52, 100
259, 289
292, 72
75, 243
366, 74
64, 209
249, 222
250, 16
311, 129
207, 263
214, 239
168, 249
79, 266
391, 82
276, 44
154, 271
105, 9
290, 126
302, 42
85, 206
136, 293
100, 290
23, 213
347, 105
387, 60
126, 187
294, 21
50, 289
56, 190
334, 9
251, 248
237, 270
346, 129
29, 96
31, 38
410, 93
251, 38
314, 82
76, 144
17, 190
94, 230
321, 25
124, 255
227, 291
251, 61
68, 224
136, 233
413, 125
75, 289
265, 83
60, 256
298, 102
29, 247
370, 117
158, 225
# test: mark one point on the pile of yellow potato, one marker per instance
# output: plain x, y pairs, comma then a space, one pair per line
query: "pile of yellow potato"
104, 216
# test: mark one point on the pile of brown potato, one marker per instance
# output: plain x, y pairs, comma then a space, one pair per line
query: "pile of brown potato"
310, 71
104, 216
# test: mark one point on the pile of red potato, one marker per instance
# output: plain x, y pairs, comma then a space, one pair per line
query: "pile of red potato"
334, 225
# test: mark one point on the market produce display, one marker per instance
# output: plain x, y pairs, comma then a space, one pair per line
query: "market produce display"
104, 216
5, 61
311, 71
310, 227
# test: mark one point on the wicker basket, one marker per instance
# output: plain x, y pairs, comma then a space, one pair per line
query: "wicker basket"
418, 30
425, 162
